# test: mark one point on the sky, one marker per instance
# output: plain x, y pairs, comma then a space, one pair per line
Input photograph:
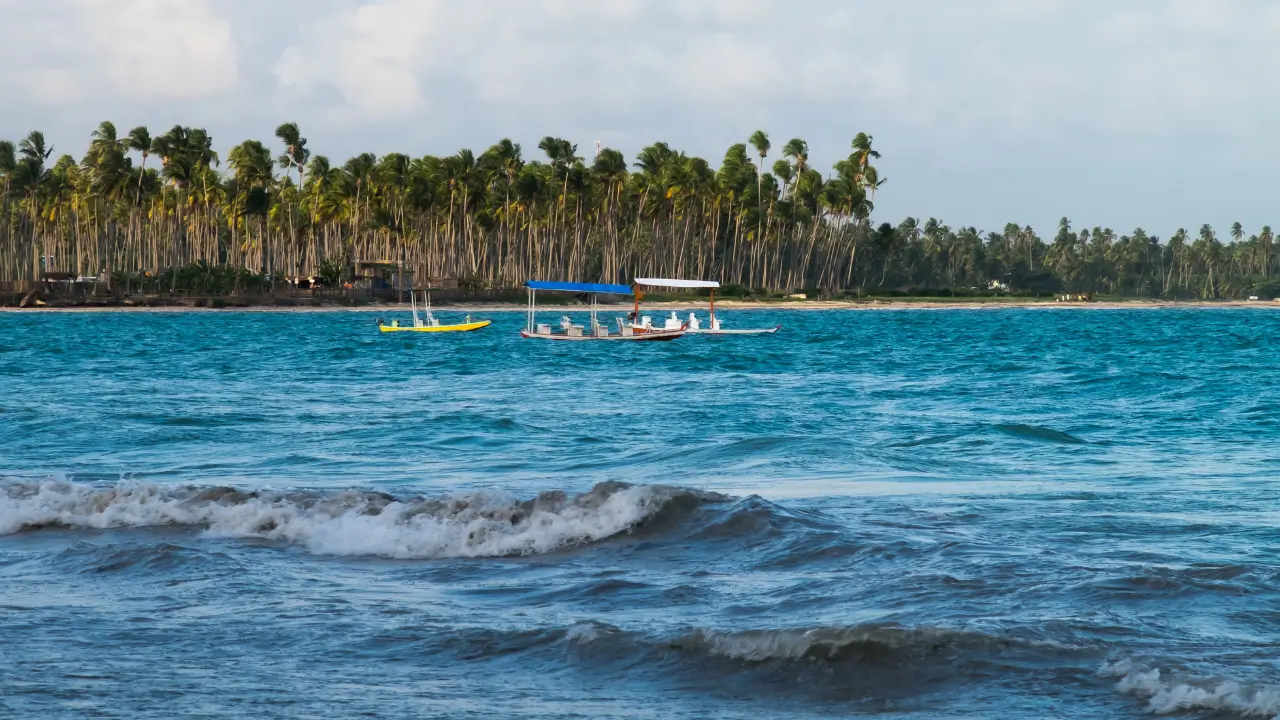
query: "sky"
1151, 113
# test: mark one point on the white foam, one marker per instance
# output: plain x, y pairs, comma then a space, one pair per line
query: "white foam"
582, 633
1167, 693
349, 523
762, 645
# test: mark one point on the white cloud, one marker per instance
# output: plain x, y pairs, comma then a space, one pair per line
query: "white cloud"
370, 55
72, 51
393, 59
179, 49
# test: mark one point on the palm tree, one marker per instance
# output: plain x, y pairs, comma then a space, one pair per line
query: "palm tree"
495, 219
31, 176
610, 168
103, 140
1265, 239
8, 166
563, 155
862, 150
32, 147
296, 154
250, 161
871, 180
861, 158
203, 158
139, 140
798, 151
760, 141
783, 171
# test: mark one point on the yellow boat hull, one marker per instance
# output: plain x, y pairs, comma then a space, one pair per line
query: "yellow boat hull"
462, 327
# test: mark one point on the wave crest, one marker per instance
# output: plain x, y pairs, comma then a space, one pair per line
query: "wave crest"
482, 524
840, 644
1169, 692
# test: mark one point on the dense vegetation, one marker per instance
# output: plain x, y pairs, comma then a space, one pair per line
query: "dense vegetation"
168, 210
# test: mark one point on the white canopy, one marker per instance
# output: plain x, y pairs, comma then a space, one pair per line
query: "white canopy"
666, 282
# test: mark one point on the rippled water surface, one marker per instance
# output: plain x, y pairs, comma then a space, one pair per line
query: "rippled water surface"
900, 514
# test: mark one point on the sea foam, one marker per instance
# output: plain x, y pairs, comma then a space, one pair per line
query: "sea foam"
481, 524
1167, 692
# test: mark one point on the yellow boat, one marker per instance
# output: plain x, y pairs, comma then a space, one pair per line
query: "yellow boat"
460, 327
431, 324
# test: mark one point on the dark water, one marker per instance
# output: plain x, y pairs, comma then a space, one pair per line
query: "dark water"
918, 514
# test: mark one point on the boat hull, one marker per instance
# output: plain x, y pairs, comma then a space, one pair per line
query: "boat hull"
657, 335
461, 327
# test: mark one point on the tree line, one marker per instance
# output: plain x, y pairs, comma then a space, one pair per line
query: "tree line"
138, 206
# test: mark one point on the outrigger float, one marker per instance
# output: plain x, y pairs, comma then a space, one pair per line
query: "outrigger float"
693, 327
430, 324
595, 331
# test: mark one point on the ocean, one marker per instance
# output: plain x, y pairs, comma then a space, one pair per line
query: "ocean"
1012, 513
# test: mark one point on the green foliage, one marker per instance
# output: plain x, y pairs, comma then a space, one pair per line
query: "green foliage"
331, 272
199, 277
1266, 289
165, 208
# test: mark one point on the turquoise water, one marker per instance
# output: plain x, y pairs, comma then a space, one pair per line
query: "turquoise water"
902, 514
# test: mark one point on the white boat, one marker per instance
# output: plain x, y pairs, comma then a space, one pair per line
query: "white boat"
595, 330
644, 324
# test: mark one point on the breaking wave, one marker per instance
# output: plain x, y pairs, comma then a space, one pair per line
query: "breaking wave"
859, 647
858, 643
481, 524
1167, 691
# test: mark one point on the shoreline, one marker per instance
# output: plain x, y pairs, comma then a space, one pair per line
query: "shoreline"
888, 304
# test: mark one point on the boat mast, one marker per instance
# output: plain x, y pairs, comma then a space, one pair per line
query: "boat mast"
531, 310
713, 309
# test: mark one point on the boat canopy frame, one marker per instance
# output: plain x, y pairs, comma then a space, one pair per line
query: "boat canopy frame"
593, 291
710, 285
601, 288
675, 283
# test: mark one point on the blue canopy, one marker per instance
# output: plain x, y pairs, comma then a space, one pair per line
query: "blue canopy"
579, 287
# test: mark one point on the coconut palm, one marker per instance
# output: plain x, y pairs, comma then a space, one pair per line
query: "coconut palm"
760, 141
494, 219
863, 153
798, 151
296, 154
139, 141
